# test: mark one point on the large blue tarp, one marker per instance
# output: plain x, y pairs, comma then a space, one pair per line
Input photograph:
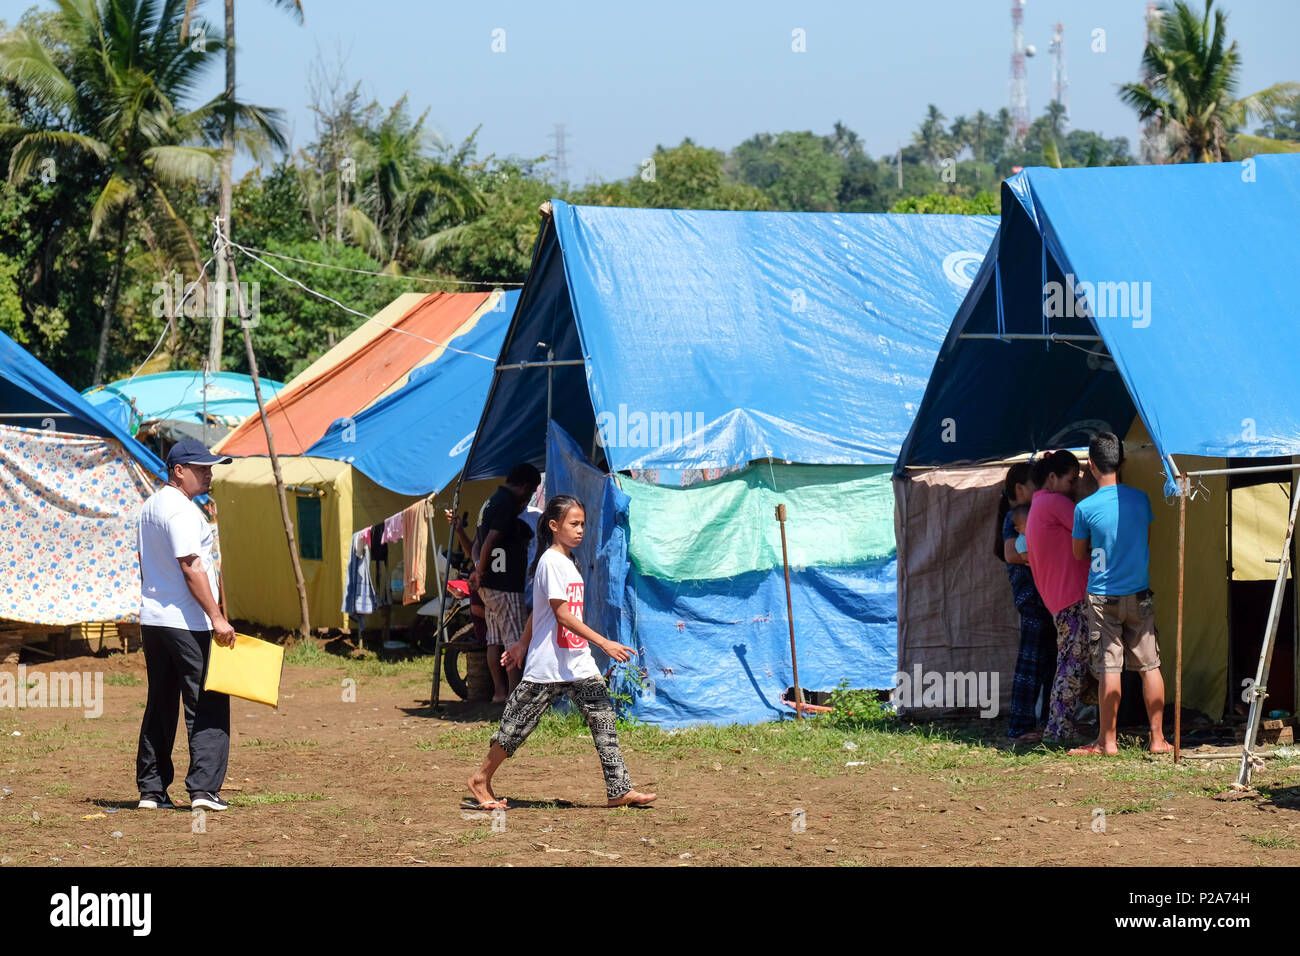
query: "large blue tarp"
30, 394
1183, 272
181, 396
414, 441
708, 338
718, 651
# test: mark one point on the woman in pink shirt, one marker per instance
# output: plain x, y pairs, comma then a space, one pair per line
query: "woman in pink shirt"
1062, 581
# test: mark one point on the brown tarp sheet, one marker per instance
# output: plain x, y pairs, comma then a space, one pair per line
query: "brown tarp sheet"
954, 600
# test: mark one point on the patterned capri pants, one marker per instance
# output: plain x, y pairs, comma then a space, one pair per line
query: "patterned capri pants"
530, 701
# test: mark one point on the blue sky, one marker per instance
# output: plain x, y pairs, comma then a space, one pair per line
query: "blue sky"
624, 77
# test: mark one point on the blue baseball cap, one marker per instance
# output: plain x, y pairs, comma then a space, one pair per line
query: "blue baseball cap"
191, 451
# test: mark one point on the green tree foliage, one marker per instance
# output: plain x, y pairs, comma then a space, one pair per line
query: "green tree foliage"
1285, 124
795, 171
106, 80
497, 246
687, 176
980, 204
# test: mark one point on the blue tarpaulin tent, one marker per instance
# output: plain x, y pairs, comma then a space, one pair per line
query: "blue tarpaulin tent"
665, 339
181, 396
414, 441
1165, 283
31, 395
1150, 301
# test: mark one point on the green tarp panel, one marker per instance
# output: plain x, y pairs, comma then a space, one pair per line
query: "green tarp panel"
836, 516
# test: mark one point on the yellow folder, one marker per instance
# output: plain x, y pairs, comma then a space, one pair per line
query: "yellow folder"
251, 670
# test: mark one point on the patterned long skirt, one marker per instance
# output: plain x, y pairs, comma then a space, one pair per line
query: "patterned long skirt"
1071, 671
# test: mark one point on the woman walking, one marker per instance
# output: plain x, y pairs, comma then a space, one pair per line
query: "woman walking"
556, 658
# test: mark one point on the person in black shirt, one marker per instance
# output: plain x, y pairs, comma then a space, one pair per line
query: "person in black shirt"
501, 570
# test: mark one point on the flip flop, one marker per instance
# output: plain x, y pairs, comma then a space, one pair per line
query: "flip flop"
639, 803
497, 804
1088, 750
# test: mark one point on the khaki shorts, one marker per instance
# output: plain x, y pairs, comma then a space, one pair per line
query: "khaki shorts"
505, 614
1122, 633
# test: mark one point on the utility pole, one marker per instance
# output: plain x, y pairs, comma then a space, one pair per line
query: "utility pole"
305, 631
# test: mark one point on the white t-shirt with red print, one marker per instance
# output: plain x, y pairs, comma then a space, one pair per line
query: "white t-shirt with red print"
555, 654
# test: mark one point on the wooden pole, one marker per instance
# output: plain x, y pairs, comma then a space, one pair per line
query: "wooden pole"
440, 640
270, 447
789, 608
1183, 485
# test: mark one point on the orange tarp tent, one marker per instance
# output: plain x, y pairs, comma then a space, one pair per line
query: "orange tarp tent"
371, 361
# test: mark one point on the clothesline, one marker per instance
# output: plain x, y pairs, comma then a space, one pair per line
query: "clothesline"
410, 526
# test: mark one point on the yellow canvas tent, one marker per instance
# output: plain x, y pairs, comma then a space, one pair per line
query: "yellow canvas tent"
327, 500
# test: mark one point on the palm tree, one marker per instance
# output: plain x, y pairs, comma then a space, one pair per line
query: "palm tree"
980, 127
961, 133
408, 202
1192, 73
112, 88
931, 137
1055, 113
294, 7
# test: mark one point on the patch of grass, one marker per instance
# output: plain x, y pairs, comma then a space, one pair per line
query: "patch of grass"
313, 654
122, 680
465, 839
59, 789
1273, 842
261, 799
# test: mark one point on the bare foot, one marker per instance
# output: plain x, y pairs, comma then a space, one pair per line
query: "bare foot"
1032, 737
1160, 746
1093, 749
499, 700
632, 799
481, 790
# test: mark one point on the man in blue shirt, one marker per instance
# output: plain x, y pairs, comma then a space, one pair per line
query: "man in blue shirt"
1112, 530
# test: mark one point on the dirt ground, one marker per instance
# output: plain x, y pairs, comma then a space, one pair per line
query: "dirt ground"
378, 780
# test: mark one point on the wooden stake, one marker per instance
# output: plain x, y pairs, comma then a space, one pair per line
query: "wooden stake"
270, 447
789, 607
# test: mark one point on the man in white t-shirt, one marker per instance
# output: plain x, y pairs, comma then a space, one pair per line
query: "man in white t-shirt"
179, 618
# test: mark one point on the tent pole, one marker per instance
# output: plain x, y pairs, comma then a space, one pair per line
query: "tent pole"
429, 508
270, 447
439, 638
789, 608
1183, 483
1259, 691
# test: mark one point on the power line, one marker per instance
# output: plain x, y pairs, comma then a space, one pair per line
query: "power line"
321, 295
179, 309
381, 275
